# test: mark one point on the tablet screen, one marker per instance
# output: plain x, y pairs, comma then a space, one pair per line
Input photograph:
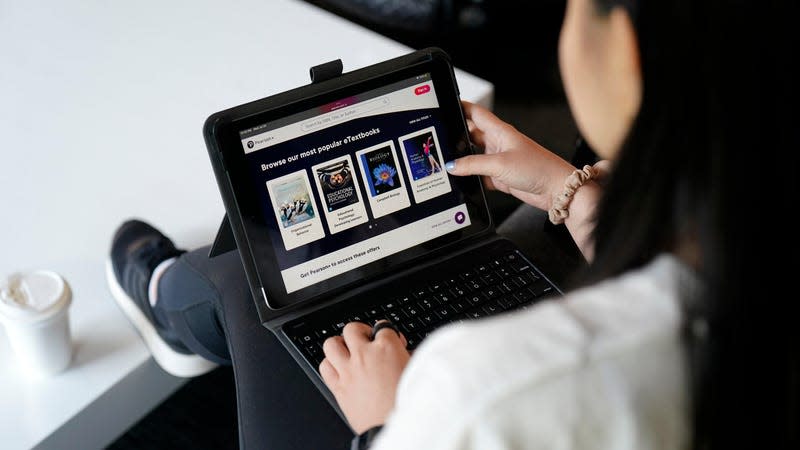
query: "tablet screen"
345, 187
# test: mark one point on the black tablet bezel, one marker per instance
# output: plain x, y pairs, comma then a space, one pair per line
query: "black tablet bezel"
228, 158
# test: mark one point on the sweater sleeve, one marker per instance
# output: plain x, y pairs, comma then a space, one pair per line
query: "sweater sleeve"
601, 368
446, 392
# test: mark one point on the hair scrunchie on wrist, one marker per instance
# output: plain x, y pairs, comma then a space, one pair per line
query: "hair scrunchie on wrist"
559, 211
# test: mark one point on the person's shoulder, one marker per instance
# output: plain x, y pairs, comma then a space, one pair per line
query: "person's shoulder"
635, 307
518, 377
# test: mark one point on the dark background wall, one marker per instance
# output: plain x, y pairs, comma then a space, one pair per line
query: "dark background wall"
493, 40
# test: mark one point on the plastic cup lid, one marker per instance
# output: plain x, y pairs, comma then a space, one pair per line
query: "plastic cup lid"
33, 296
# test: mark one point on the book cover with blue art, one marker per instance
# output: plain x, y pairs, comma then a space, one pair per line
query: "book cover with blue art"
381, 171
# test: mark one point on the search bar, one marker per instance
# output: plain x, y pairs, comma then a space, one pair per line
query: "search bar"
348, 113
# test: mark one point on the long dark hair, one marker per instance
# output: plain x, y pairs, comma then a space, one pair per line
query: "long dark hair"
711, 156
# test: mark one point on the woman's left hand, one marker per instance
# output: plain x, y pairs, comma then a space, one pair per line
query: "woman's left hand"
363, 374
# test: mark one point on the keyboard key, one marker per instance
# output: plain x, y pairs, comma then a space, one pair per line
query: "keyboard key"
323, 333
507, 287
420, 292
300, 333
511, 257
426, 304
541, 288
503, 272
492, 292
313, 351
468, 275
411, 311
490, 278
453, 281
436, 287
389, 306
357, 318
338, 327
475, 314
524, 296
458, 291
520, 266
412, 326
495, 263
371, 313
475, 299
521, 281
444, 313
474, 285
430, 318
482, 269
507, 302
491, 308
458, 306
404, 299
444, 297
396, 317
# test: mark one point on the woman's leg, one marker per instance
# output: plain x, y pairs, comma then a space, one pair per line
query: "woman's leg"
192, 304
205, 304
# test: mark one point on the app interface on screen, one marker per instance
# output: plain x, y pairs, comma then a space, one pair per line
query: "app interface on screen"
354, 181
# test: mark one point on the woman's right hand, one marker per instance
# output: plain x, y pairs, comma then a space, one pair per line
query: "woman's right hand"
512, 162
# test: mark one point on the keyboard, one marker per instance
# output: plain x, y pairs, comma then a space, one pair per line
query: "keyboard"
495, 282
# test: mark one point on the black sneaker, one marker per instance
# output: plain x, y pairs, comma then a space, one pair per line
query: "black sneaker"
136, 250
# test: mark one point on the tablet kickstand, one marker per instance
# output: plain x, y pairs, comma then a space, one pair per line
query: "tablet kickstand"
224, 242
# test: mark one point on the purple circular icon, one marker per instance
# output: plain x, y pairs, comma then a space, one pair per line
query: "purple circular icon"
460, 217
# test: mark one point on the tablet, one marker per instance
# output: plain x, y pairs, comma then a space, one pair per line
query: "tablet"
343, 181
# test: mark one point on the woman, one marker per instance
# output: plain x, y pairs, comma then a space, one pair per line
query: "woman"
679, 336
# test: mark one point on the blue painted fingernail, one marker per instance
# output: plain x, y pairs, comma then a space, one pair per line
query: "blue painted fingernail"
450, 166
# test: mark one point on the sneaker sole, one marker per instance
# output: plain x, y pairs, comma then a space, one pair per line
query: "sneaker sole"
174, 363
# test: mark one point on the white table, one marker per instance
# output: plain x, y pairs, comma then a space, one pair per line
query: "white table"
101, 110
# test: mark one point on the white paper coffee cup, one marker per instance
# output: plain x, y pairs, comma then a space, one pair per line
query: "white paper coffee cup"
34, 311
